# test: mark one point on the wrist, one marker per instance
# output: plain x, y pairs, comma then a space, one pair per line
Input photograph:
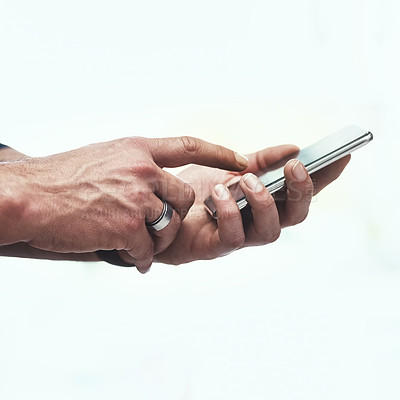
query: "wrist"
9, 154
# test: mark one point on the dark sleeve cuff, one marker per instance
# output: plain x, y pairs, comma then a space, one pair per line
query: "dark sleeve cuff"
112, 257
2, 146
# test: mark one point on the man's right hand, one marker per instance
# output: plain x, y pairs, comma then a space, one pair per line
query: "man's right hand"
101, 196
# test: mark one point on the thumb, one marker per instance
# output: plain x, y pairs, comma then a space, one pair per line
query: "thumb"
178, 151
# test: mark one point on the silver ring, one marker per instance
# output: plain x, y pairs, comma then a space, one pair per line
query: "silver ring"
163, 220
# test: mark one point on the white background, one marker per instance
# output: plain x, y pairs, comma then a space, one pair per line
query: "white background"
315, 315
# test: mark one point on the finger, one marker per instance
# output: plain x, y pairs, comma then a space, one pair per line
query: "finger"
143, 270
265, 227
141, 248
164, 237
271, 158
154, 209
124, 255
326, 175
177, 192
160, 185
177, 151
299, 192
230, 233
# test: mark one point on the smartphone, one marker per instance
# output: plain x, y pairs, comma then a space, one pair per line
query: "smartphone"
314, 157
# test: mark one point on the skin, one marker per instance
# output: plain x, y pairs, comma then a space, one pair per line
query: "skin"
201, 237
101, 196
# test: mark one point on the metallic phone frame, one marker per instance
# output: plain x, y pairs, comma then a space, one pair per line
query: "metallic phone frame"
313, 166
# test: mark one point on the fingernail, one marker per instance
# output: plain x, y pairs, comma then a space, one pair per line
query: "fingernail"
253, 183
242, 160
221, 191
299, 171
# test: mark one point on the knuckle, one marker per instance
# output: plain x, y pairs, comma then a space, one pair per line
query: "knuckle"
261, 160
296, 219
226, 155
270, 235
142, 197
128, 143
274, 235
221, 153
134, 141
190, 144
268, 204
145, 169
236, 241
227, 213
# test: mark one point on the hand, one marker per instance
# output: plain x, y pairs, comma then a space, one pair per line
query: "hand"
201, 237
100, 196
